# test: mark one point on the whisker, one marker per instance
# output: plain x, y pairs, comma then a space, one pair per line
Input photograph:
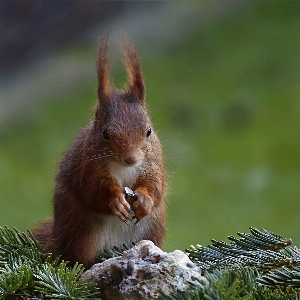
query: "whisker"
176, 153
97, 158
97, 150
163, 127
170, 136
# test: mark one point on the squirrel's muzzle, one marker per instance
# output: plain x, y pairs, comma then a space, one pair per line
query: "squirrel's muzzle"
131, 160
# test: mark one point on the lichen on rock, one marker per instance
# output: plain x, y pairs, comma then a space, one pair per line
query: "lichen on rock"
144, 270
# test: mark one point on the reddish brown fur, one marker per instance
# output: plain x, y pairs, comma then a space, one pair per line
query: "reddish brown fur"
89, 202
133, 68
104, 86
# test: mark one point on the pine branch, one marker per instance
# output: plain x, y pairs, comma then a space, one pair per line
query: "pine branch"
16, 282
109, 253
283, 277
258, 265
264, 239
15, 244
60, 282
26, 271
263, 262
264, 250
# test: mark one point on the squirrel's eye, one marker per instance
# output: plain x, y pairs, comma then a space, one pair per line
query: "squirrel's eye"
105, 135
148, 131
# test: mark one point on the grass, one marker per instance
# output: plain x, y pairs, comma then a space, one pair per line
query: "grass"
225, 101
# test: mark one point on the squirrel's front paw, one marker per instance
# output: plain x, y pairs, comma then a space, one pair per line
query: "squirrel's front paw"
142, 206
120, 207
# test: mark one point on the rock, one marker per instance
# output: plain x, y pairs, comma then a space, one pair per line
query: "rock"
144, 270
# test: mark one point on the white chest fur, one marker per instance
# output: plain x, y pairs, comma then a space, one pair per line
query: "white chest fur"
126, 176
112, 231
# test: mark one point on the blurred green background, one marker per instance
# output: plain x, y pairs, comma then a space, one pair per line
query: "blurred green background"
223, 88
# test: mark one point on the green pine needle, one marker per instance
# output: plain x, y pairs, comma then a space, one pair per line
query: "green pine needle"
258, 265
26, 271
63, 283
109, 253
15, 282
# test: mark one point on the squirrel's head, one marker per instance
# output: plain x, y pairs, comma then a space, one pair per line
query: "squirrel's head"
122, 125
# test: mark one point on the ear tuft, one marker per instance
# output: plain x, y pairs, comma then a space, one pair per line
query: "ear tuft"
136, 85
104, 86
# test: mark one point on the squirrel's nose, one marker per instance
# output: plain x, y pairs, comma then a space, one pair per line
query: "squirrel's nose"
130, 160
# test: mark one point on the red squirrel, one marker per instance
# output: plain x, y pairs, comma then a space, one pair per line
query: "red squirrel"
117, 149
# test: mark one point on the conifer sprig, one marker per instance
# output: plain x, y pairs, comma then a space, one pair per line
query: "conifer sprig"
258, 265
109, 253
61, 282
26, 271
263, 249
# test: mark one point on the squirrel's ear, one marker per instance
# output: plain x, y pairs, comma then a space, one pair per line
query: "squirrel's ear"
133, 68
104, 85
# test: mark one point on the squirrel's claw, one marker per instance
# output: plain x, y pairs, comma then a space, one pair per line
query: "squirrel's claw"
130, 210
